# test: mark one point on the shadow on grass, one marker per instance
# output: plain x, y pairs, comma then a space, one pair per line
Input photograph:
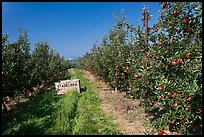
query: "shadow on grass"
29, 129
83, 89
42, 105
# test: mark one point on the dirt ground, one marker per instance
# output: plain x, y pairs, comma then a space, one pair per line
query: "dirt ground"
126, 113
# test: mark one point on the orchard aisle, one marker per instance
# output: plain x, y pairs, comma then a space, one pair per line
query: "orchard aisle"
95, 111
126, 113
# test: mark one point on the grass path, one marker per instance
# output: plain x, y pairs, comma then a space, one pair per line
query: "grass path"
126, 113
68, 114
90, 120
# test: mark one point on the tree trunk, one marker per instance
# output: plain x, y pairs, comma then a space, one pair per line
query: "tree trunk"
116, 89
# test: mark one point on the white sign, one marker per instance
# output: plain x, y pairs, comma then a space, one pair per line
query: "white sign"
66, 85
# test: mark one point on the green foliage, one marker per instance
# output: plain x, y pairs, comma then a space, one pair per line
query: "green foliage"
22, 70
165, 74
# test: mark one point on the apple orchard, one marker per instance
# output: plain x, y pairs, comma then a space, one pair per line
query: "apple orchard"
23, 72
163, 70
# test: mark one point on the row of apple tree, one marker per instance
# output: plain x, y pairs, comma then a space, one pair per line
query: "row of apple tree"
165, 72
23, 70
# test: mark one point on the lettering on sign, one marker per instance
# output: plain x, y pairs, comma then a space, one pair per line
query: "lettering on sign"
66, 85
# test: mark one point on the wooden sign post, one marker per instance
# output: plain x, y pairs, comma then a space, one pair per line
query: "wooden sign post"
67, 85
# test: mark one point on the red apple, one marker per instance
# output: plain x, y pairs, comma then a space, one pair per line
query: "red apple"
159, 88
156, 30
130, 30
136, 76
134, 47
161, 43
180, 61
148, 30
188, 29
183, 120
146, 91
116, 67
186, 109
199, 109
150, 104
175, 11
190, 99
174, 95
160, 132
149, 58
164, 5
141, 63
186, 20
173, 62
188, 55
159, 97
178, 133
158, 57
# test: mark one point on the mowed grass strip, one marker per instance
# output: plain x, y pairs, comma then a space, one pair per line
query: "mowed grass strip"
90, 120
65, 114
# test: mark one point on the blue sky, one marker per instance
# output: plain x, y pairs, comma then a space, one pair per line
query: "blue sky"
71, 28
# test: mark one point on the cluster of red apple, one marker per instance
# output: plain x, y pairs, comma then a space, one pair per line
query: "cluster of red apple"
185, 20
174, 62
